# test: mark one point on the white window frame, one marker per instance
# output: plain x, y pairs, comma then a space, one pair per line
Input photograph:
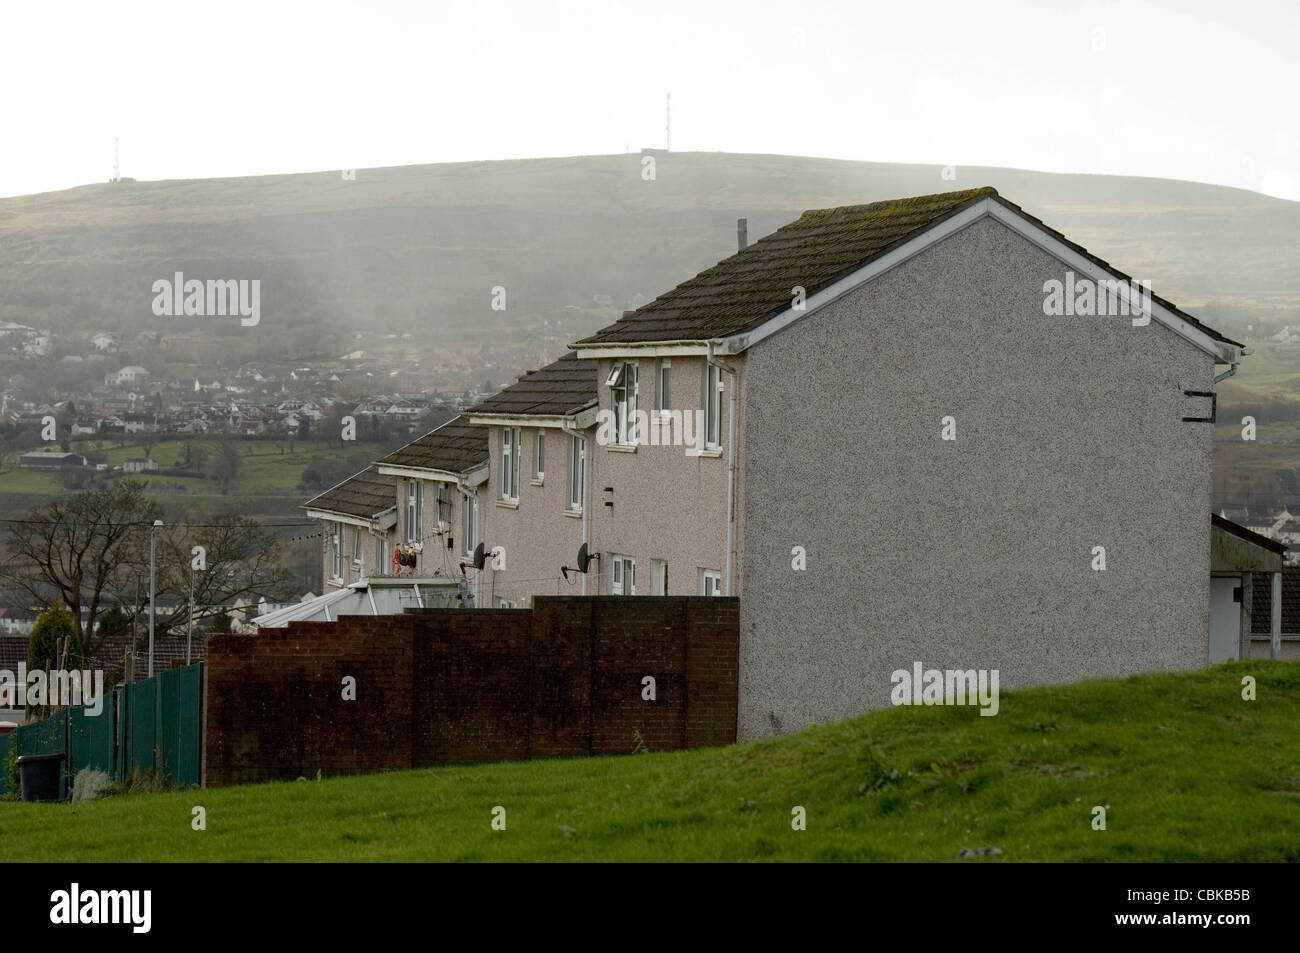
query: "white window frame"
336, 552
622, 576
357, 559
712, 406
663, 392
539, 455
710, 579
469, 523
414, 510
510, 464
622, 402
381, 554
577, 473
444, 504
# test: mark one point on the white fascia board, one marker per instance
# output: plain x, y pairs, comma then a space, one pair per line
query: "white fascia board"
648, 349
477, 476
419, 473
988, 208
377, 523
552, 421
555, 421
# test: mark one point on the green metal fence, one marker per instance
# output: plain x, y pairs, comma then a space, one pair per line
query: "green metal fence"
154, 726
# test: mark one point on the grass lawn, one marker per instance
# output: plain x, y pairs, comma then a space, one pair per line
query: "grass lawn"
1187, 771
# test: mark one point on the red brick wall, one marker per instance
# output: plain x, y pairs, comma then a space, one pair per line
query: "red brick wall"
561, 679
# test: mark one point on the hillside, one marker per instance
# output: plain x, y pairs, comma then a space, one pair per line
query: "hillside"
1185, 768
418, 248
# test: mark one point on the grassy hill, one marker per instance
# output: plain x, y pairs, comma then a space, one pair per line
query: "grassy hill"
1186, 769
417, 248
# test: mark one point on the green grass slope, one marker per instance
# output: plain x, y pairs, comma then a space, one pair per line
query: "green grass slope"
1187, 770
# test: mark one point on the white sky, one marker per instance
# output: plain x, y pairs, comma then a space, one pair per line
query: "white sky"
1194, 90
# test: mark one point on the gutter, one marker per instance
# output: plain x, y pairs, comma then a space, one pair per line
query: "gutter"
586, 493
731, 470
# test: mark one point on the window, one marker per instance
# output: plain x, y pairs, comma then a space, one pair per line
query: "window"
444, 505
577, 471
623, 400
539, 455
469, 517
624, 576
336, 551
712, 406
509, 463
710, 582
503, 603
381, 554
356, 545
663, 396
414, 505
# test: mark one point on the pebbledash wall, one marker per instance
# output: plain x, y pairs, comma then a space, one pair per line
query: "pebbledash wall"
563, 678
973, 553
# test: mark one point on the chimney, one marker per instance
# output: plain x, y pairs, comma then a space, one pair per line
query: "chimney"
742, 233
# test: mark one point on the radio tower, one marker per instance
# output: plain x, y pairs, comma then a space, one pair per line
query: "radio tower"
668, 125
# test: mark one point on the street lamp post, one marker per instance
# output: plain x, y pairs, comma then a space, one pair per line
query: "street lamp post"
153, 549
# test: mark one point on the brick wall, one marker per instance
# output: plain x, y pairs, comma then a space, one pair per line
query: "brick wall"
563, 678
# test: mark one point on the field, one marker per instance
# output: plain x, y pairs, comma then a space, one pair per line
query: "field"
1185, 768
265, 466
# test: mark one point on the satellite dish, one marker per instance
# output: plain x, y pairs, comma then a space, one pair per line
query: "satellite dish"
583, 559
480, 557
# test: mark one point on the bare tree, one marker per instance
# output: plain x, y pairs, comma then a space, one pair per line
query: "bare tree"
75, 548
91, 551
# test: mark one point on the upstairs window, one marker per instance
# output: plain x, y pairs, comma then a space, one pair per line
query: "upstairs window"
622, 383
414, 506
539, 455
509, 463
712, 407
577, 472
663, 395
336, 551
469, 520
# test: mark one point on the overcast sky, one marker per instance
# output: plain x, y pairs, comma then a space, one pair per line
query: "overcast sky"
1185, 90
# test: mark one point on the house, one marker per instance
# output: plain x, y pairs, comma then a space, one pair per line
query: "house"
536, 506
884, 429
131, 374
359, 516
49, 460
440, 487
1246, 569
871, 368
138, 465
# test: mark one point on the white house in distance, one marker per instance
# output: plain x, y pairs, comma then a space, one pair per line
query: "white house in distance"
131, 374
